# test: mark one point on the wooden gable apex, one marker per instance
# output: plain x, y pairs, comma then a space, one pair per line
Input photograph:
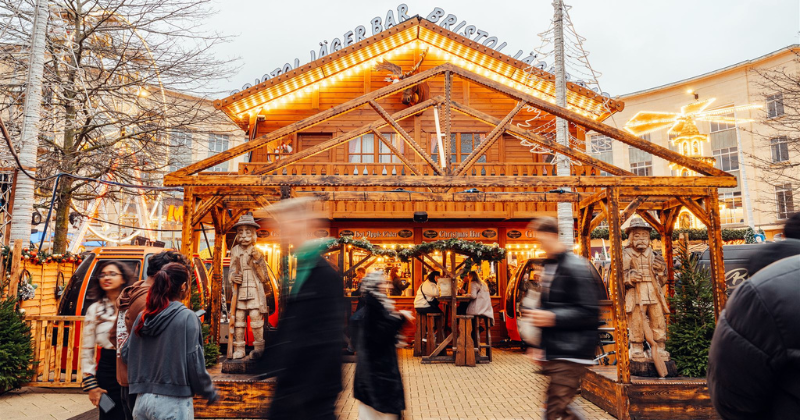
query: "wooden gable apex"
716, 177
242, 106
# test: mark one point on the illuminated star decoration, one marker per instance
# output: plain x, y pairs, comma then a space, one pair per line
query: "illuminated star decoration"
684, 124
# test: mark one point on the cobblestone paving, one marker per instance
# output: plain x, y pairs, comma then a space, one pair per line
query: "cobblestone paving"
508, 388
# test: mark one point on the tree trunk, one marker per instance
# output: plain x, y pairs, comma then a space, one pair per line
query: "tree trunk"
63, 204
29, 142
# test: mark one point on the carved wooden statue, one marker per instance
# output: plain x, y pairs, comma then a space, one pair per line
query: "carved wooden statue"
248, 273
644, 275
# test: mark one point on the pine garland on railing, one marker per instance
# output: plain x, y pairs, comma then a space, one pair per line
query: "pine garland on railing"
29, 255
694, 234
475, 251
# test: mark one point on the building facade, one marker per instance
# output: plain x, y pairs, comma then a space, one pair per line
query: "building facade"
746, 146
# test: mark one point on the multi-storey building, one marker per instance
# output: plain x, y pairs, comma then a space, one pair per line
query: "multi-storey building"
746, 146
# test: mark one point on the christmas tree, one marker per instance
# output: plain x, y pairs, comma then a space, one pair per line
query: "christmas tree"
691, 324
16, 351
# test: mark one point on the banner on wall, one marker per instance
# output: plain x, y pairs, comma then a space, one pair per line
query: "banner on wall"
474, 234
275, 234
379, 234
521, 234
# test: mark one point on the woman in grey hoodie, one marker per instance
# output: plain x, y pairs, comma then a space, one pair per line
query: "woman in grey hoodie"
166, 366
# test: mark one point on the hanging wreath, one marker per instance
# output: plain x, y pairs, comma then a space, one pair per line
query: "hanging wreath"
475, 251
26, 289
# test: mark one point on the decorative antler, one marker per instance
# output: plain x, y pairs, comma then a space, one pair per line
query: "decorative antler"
392, 68
416, 66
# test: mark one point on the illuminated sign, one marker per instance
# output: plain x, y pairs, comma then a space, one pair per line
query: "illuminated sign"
379, 24
466, 233
378, 234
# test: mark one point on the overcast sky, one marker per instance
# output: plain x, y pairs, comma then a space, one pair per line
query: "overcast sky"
636, 44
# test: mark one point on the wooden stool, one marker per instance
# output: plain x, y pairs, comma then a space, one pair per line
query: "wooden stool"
465, 345
419, 334
486, 345
433, 329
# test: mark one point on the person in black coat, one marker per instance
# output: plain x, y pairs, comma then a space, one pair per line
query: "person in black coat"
754, 360
568, 316
309, 344
776, 251
377, 382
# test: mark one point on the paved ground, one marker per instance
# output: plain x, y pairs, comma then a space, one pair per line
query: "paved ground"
508, 388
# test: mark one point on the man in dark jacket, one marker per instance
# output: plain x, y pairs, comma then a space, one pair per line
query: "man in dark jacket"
776, 251
568, 316
308, 348
754, 360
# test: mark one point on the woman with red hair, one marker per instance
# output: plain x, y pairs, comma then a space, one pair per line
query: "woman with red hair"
169, 331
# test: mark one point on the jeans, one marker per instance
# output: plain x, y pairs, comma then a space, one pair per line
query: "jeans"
163, 407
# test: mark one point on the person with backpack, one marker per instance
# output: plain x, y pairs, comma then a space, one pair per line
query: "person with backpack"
164, 353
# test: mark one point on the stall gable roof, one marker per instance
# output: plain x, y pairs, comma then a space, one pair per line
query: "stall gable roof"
460, 51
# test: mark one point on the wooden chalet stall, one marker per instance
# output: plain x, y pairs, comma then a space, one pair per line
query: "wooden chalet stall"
374, 161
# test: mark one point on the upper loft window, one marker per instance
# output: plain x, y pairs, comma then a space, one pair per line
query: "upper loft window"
461, 146
180, 152
369, 149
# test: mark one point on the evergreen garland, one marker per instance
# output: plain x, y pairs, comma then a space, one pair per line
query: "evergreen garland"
210, 346
34, 256
16, 350
476, 251
691, 325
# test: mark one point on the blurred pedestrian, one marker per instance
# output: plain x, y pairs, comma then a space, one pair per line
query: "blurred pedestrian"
100, 375
754, 360
309, 343
769, 253
427, 299
378, 384
164, 353
568, 316
131, 303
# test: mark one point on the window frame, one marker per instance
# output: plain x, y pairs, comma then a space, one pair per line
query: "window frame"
785, 208
224, 142
729, 155
379, 151
646, 166
775, 101
457, 153
782, 144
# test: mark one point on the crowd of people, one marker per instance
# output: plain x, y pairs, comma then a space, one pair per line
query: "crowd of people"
150, 362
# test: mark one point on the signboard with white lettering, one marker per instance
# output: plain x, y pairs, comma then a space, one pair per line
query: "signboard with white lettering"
474, 234
379, 24
379, 234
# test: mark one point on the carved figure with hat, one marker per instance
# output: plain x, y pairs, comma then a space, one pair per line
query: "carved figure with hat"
248, 273
644, 275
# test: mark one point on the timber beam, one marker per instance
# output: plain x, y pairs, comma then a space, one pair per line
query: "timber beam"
448, 181
405, 136
696, 210
204, 208
651, 220
540, 140
391, 196
341, 139
490, 140
588, 201
590, 124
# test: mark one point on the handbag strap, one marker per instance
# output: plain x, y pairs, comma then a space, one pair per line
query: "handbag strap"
424, 296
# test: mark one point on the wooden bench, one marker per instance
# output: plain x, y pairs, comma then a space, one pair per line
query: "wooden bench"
465, 345
483, 349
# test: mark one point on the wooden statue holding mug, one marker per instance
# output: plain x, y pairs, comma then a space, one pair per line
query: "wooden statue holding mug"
248, 273
644, 275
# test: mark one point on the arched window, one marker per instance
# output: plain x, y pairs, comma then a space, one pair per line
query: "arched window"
696, 148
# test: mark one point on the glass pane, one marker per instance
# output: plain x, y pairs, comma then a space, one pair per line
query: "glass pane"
368, 143
368, 158
466, 146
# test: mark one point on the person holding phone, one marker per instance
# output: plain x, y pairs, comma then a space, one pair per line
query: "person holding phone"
171, 332
100, 376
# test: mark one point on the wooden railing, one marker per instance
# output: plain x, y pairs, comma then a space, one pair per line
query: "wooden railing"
478, 169
56, 350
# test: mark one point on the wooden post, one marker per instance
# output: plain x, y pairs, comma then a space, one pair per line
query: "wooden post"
187, 234
216, 278
669, 257
617, 287
715, 250
187, 227
584, 233
16, 261
447, 120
